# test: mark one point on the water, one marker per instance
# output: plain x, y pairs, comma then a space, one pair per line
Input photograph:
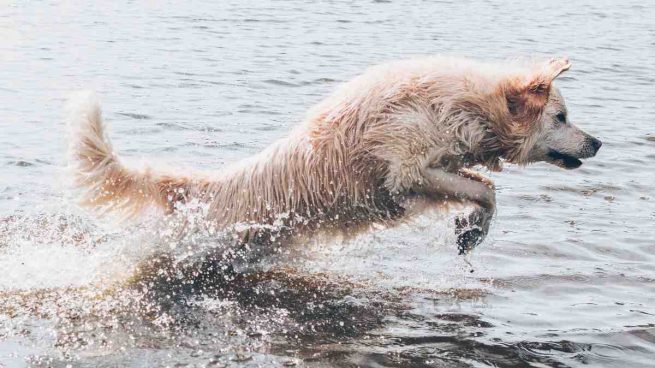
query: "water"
566, 278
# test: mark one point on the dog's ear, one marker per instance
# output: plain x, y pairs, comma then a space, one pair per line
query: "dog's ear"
528, 94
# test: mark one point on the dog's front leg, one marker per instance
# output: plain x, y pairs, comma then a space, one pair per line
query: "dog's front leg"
464, 186
472, 230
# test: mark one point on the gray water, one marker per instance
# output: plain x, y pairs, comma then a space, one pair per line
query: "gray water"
566, 277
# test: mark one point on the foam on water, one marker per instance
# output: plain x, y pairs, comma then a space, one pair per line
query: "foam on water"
60, 250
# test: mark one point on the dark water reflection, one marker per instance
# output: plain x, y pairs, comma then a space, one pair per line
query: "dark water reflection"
190, 313
282, 318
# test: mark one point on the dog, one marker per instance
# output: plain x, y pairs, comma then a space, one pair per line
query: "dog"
392, 142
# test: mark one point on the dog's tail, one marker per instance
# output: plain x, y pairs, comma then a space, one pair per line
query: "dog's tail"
104, 183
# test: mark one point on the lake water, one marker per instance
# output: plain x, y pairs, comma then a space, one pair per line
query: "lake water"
566, 277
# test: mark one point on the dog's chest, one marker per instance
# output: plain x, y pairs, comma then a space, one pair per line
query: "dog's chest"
452, 163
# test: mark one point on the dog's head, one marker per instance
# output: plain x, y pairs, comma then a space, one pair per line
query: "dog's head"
539, 128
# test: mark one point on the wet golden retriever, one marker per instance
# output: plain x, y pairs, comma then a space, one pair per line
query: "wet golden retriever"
400, 138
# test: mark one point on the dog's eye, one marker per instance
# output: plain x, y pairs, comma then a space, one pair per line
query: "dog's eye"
561, 117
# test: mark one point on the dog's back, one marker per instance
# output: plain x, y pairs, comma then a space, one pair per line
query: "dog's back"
296, 183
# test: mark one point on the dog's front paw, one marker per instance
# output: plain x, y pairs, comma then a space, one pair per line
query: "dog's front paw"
469, 239
472, 229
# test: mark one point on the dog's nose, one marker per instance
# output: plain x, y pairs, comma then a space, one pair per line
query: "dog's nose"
596, 143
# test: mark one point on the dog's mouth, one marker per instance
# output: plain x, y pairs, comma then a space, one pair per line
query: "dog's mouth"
563, 160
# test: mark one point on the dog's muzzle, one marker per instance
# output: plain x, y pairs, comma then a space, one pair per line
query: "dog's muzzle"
596, 144
568, 161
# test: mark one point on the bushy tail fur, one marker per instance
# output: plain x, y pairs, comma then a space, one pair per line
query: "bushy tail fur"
104, 183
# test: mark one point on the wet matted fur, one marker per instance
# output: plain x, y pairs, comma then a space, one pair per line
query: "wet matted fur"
397, 139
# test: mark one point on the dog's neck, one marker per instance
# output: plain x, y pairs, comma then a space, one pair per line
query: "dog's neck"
502, 144
489, 150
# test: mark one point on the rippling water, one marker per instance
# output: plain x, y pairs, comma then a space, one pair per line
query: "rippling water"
566, 277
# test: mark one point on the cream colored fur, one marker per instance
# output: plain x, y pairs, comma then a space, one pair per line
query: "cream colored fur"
397, 134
